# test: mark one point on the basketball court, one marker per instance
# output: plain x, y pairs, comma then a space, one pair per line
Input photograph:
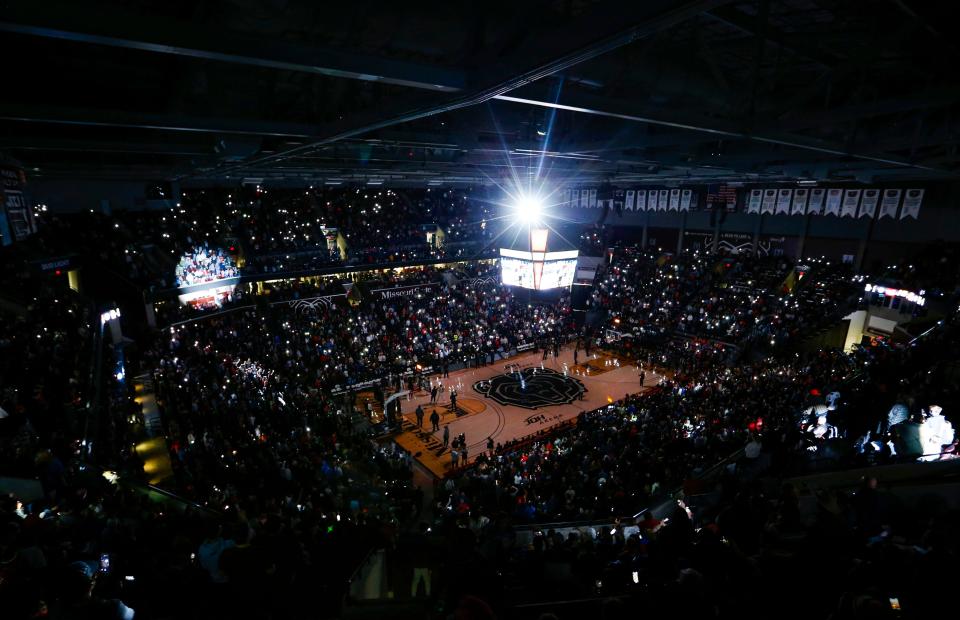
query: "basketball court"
514, 399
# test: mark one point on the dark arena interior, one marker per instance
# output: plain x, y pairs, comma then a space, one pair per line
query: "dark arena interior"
539, 310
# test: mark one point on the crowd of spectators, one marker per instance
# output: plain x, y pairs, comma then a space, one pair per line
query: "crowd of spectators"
259, 538
745, 536
759, 546
274, 231
619, 459
46, 351
279, 474
284, 230
256, 433
737, 300
935, 270
337, 344
291, 289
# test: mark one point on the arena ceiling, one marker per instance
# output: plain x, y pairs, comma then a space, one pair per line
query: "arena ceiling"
440, 91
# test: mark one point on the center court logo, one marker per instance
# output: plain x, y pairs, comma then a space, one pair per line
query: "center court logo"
533, 388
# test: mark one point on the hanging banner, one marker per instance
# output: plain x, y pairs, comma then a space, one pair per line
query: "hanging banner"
584, 198
629, 200
685, 198
641, 200
783, 200
834, 200
663, 199
674, 199
593, 199
729, 195
911, 203
799, 201
889, 203
737, 243
769, 201
756, 199
413, 290
868, 204
851, 200
339, 390
19, 216
16, 217
480, 281
815, 203
652, 200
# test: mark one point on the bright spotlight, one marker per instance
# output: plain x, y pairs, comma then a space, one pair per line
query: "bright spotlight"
529, 209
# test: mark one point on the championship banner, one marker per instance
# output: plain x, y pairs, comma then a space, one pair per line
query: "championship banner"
815, 203
593, 199
662, 201
784, 197
19, 216
890, 202
834, 199
851, 200
652, 202
16, 217
769, 201
686, 197
584, 198
722, 196
911, 203
756, 199
641, 200
674, 199
383, 294
799, 201
629, 200
868, 204
566, 197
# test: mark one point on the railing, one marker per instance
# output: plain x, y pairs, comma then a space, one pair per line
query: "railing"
568, 608
170, 496
183, 503
682, 335
94, 383
358, 575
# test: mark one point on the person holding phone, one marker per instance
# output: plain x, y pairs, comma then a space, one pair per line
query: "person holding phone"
79, 601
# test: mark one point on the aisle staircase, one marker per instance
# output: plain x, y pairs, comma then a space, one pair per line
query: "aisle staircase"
153, 450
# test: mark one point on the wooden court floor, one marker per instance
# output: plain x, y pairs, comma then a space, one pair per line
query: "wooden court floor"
479, 417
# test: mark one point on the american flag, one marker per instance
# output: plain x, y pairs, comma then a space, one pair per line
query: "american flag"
722, 194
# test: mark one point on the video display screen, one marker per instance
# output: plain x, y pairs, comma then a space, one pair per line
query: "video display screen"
538, 274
